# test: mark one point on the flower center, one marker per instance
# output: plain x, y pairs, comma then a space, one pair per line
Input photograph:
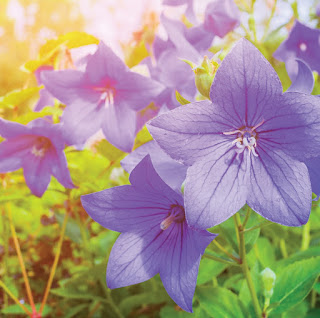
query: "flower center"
107, 95
175, 215
41, 146
246, 138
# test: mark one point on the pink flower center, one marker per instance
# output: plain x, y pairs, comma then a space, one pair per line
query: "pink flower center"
176, 215
41, 146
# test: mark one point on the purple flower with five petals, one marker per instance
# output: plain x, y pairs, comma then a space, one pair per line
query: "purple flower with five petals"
155, 236
247, 146
38, 149
303, 43
106, 95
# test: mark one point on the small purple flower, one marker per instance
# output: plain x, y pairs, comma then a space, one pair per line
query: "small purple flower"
107, 95
172, 172
155, 236
46, 99
303, 43
247, 146
221, 17
38, 149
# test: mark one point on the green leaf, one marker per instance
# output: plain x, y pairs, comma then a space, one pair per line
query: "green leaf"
209, 269
18, 97
17, 310
75, 310
294, 283
181, 99
220, 303
109, 151
171, 312
265, 252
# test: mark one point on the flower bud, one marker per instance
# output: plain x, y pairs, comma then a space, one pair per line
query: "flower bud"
269, 279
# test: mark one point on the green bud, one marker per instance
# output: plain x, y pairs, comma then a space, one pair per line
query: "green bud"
204, 76
269, 279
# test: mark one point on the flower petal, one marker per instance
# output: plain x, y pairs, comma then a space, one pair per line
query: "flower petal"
280, 188
303, 80
313, 166
294, 127
59, 167
104, 64
137, 91
128, 208
9, 129
69, 86
171, 172
180, 265
81, 121
245, 81
119, 126
37, 173
13, 151
216, 187
190, 132
136, 257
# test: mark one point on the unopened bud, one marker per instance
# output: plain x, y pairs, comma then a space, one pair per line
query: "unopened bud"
269, 279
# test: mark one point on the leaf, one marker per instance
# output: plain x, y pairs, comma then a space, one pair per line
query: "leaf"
109, 151
209, 269
265, 252
72, 229
294, 283
220, 303
16, 310
181, 99
75, 310
18, 97
72, 293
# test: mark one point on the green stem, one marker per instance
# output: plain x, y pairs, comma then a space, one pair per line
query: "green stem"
55, 262
313, 298
14, 298
113, 305
305, 237
220, 247
264, 223
6, 252
246, 219
211, 255
283, 248
245, 268
269, 21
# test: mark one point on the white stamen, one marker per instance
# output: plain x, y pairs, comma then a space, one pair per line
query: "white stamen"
303, 47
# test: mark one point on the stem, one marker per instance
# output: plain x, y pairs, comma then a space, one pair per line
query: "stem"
313, 298
305, 237
283, 248
23, 268
113, 305
269, 20
245, 268
264, 223
220, 247
246, 219
14, 298
218, 259
55, 262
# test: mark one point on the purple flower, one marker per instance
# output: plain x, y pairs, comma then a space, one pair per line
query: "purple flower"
221, 17
246, 146
107, 95
46, 99
38, 149
172, 172
155, 236
303, 43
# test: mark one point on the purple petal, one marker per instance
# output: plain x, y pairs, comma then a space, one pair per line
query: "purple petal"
216, 187
190, 132
293, 127
81, 121
171, 172
9, 129
221, 17
137, 91
104, 64
13, 151
244, 83
130, 208
303, 80
280, 188
180, 266
69, 86
37, 173
200, 38
59, 167
313, 166
135, 257
119, 126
